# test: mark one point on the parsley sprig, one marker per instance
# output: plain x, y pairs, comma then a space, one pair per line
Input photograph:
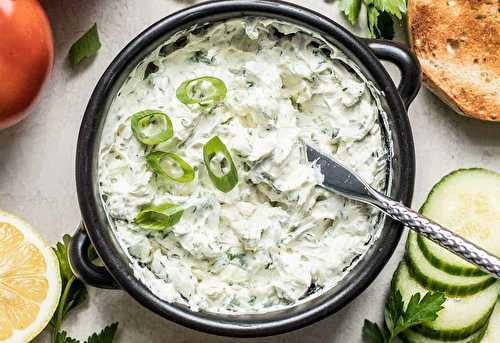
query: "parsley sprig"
86, 46
105, 336
397, 319
74, 291
381, 14
73, 294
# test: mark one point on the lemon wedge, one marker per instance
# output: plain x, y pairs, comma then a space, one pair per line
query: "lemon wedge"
30, 282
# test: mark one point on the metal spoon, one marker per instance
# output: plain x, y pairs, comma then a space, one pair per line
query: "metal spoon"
340, 179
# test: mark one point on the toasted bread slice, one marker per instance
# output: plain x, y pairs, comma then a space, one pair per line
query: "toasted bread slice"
458, 45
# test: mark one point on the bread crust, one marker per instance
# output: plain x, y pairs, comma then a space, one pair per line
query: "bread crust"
458, 45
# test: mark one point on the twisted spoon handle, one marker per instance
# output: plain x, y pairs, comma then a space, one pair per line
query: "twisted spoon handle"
444, 237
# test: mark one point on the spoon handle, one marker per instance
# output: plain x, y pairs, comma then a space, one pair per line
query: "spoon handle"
340, 179
435, 232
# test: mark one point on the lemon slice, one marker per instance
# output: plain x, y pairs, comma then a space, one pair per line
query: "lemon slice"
30, 282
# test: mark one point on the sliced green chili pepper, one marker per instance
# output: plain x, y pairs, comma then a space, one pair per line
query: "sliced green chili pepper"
152, 127
161, 163
159, 217
204, 90
217, 160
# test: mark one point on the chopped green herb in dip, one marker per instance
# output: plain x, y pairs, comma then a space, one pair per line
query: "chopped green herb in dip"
275, 238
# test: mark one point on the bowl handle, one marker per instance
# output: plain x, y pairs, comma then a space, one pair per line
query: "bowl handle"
83, 267
405, 60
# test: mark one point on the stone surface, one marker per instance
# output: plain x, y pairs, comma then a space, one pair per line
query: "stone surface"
37, 168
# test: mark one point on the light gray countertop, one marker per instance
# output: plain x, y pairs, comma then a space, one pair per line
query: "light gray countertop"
37, 168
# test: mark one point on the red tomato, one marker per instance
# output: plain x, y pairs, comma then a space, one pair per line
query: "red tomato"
26, 57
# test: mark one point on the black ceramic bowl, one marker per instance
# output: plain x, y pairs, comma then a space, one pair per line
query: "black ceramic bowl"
96, 229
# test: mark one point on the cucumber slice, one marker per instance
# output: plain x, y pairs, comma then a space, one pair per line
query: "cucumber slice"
467, 201
493, 332
437, 280
433, 253
461, 317
411, 336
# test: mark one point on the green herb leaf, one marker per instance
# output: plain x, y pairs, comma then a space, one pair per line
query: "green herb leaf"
74, 291
76, 296
159, 217
381, 15
62, 337
351, 9
425, 310
201, 56
152, 127
394, 309
217, 159
61, 251
393, 7
372, 333
203, 91
372, 18
165, 163
380, 24
105, 336
86, 46
398, 320
73, 294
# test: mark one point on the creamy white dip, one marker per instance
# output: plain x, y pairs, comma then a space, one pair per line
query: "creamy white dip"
276, 238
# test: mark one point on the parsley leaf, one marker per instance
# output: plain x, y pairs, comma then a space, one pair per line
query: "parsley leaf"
393, 311
105, 336
380, 24
351, 9
419, 311
397, 319
381, 15
61, 337
394, 7
86, 46
61, 251
74, 291
73, 294
372, 333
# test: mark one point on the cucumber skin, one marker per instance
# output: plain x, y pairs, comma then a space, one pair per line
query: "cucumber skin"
492, 334
451, 335
455, 335
438, 286
446, 267
481, 332
440, 335
443, 265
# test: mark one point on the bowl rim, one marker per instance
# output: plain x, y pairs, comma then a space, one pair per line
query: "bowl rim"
87, 152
